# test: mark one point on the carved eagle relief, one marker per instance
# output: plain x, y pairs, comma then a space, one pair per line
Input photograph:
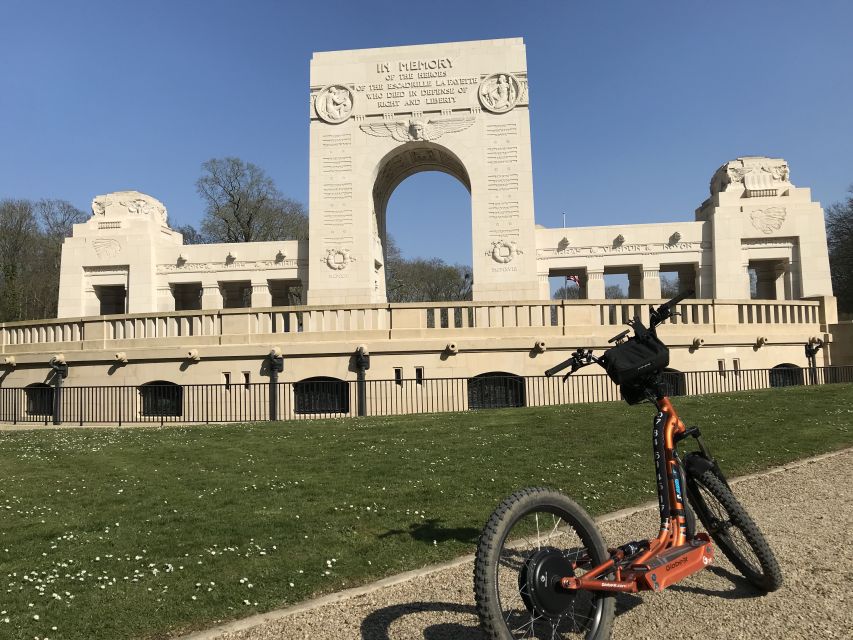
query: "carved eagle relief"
768, 220
416, 129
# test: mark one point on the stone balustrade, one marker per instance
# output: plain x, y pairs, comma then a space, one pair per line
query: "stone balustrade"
595, 319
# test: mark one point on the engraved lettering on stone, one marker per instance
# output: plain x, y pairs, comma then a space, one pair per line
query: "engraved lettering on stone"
336, 139
107, 247
768, 220
501, 155
334, 104
416, 129
336, 164
502, 129
499, 92
503, 182
337, 191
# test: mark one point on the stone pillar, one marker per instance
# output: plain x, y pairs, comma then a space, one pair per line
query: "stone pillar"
651, 284
595, 285
544, 287
783, 281
635, 283
211, 297
261, 295
165, 299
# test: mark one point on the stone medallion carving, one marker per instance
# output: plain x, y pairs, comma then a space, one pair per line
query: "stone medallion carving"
499, 92
107, 247
417, 129
504, 251
338, 259
334, 104
768, 220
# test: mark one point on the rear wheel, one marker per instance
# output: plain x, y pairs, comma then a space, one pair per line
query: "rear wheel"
733, 530
535, 537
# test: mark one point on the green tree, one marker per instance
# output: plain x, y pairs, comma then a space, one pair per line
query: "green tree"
244, 205
570, 292
839, 237
422, 280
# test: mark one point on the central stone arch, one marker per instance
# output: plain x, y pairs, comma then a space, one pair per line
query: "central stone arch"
399, 164
379, 116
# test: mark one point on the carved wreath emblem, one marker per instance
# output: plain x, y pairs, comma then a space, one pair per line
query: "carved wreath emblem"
337, 259
504, 251
417, 129
768, 220
334, 103
499, 92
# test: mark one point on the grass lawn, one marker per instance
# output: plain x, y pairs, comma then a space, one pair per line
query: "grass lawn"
145, 533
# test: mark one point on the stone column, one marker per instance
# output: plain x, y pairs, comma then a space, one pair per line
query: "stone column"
165, 299
635, 283
783, 281
595, 285
211, 297
261, 295
651, 284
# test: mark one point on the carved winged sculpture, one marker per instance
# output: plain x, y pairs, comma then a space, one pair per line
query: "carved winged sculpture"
416, 129
768, 220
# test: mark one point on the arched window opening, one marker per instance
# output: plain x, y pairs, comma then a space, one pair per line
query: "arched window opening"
321, 394
496, 390
786, 375
39, 399
161, 398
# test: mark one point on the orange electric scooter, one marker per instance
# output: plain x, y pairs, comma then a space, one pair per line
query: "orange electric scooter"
542, 569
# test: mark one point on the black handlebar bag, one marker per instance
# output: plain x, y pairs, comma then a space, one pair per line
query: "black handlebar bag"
636, 359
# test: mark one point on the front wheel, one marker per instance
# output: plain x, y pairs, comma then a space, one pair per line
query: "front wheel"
534, 538
733, 530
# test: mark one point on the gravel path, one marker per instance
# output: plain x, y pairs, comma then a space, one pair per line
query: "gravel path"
816, 497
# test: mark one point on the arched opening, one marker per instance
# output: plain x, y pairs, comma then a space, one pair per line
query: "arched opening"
321, 394
674, 382
39, 399
786, 375
432, 259
161, 398
496, 390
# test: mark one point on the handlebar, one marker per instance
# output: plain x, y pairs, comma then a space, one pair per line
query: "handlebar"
581, 358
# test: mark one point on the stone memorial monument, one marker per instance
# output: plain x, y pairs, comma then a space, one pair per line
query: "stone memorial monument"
379, 116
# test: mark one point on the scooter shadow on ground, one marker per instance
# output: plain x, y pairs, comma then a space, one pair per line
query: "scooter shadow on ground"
740, 589
377, 625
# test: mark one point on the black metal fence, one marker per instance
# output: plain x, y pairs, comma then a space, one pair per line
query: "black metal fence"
162, 402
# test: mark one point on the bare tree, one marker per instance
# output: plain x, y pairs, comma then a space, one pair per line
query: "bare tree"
18, 230
839, 236
244, 205
31, 236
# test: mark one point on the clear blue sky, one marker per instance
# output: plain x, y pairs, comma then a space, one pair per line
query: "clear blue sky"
633, 104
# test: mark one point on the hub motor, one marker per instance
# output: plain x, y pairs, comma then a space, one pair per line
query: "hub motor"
539, 583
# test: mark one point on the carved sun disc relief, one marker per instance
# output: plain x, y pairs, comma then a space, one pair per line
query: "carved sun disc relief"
499, 92
334, 103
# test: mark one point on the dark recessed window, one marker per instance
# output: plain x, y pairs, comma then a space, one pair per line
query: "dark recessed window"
495, 390
39, 399
321, 395
162, 398
786, 375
